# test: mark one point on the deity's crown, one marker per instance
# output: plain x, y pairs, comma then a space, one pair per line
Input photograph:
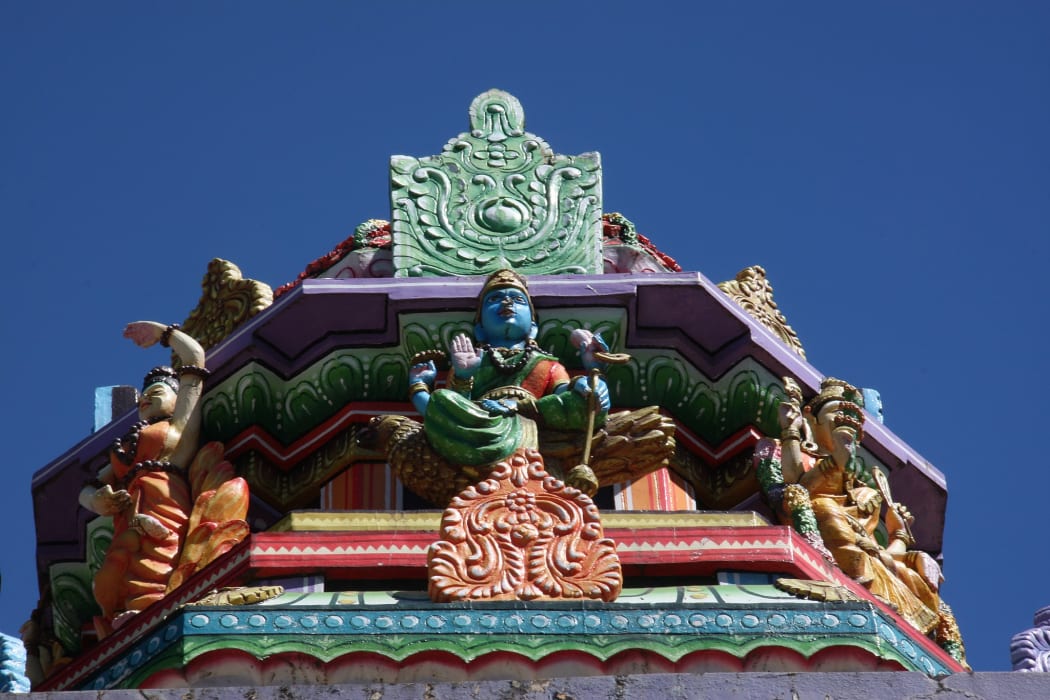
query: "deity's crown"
161, 375
502, 279
852, 400
832, 389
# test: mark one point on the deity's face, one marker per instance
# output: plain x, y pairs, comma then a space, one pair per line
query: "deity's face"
157, 401
829, 427
505, 318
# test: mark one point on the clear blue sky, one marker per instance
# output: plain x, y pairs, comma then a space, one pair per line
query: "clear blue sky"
887, 163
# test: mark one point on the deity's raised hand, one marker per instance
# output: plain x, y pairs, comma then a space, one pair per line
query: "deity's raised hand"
898, 518
790, 415
582, 386
867, 499
144, 333
466, 359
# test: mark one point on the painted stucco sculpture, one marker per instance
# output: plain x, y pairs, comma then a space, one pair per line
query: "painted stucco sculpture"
483, 434
812, 481
753, 291
350, 574
227, 301
1030, 649
522, 535
496, 390
496, 197
506, 394
174, 508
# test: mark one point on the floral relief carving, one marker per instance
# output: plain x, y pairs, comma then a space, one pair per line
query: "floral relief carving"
496, 197
521, 534
754, 293
227, 300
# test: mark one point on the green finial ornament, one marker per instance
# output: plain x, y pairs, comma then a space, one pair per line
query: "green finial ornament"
496, 197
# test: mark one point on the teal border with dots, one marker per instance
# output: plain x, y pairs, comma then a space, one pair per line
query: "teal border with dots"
534, 630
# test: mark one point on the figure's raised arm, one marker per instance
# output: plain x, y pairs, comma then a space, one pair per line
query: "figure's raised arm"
186, 417
792, 426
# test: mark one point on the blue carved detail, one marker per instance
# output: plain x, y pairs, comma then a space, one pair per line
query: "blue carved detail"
12, 666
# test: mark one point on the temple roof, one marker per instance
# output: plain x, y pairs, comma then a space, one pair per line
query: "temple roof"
296, 375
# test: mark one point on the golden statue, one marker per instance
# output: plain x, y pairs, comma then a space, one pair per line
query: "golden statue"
810, 478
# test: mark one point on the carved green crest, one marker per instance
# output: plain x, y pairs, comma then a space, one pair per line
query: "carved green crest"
496, 197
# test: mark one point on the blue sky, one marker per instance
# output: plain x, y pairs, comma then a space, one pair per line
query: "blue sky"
887, 163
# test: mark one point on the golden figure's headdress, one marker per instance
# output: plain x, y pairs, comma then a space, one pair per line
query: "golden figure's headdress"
852, 400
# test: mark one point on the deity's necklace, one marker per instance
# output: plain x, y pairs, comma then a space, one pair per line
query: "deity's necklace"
501, 358
125, 447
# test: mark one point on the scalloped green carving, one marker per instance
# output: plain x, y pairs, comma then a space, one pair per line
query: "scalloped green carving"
748, 395
99, 535
713, 410
288, 409
496, 197
73, 601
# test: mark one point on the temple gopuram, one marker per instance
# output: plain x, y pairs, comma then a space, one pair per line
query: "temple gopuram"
499, 437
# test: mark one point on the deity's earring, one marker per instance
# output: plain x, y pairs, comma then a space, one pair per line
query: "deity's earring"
534, 331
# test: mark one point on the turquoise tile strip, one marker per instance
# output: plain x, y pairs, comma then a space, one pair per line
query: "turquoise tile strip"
668, 621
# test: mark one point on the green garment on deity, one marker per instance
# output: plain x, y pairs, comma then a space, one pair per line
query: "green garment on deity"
464, 432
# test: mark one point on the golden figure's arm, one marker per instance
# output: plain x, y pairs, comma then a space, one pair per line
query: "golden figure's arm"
791, 427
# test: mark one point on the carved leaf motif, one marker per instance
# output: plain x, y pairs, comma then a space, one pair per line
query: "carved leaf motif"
227, 301
244, 595
754, 293
816, 590
495, 195
522, 535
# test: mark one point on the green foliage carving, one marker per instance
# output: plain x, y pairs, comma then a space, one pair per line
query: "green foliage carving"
99, 535
73, 603
288, 409
713, 410
496, 197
